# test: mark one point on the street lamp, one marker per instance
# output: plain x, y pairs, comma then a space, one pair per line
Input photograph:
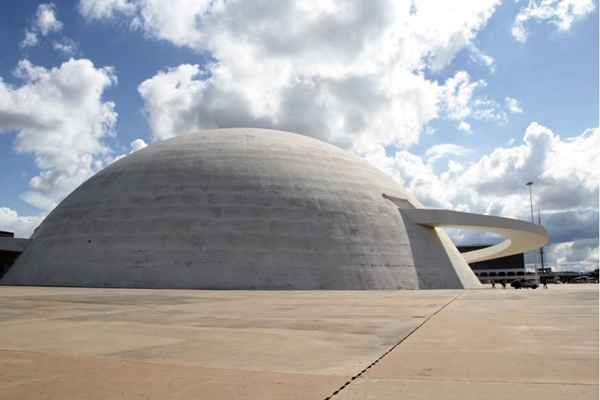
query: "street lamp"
530, 184
531, 200
542, 248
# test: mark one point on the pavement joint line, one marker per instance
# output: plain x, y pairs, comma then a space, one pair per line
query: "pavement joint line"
388, 351
484, 381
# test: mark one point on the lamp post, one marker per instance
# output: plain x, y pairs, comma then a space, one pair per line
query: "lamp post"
530, 184
531, 200
541, 248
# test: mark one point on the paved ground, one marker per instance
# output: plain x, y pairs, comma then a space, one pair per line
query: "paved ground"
69, 343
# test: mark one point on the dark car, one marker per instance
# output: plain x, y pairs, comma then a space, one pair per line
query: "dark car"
524, 283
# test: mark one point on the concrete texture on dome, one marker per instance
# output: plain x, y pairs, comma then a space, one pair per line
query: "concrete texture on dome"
240, 209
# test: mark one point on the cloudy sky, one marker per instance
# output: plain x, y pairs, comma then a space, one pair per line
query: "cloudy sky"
462, 102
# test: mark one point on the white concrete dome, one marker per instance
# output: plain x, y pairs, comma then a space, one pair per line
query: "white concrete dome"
239, 209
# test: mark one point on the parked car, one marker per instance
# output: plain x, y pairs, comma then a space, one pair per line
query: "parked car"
524, 283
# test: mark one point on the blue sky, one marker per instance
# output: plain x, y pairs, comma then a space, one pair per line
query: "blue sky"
554, 75
408, 114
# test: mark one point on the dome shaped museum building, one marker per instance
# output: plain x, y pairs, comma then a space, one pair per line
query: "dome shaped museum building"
252, 209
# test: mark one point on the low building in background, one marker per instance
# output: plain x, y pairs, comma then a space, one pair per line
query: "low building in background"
10, 248
506, 268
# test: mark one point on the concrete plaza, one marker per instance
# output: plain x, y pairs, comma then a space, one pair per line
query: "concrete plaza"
75, 343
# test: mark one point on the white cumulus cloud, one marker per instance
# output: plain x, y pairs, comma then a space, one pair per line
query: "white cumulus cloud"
564, 172
571, 256
513, 105
460, 100
21, 226
59, 116
99, 9
137, 144
66, 46
560, 13
485, 59
348, 72
465, 127
443, 150
45, 19
44, 23
30, 40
